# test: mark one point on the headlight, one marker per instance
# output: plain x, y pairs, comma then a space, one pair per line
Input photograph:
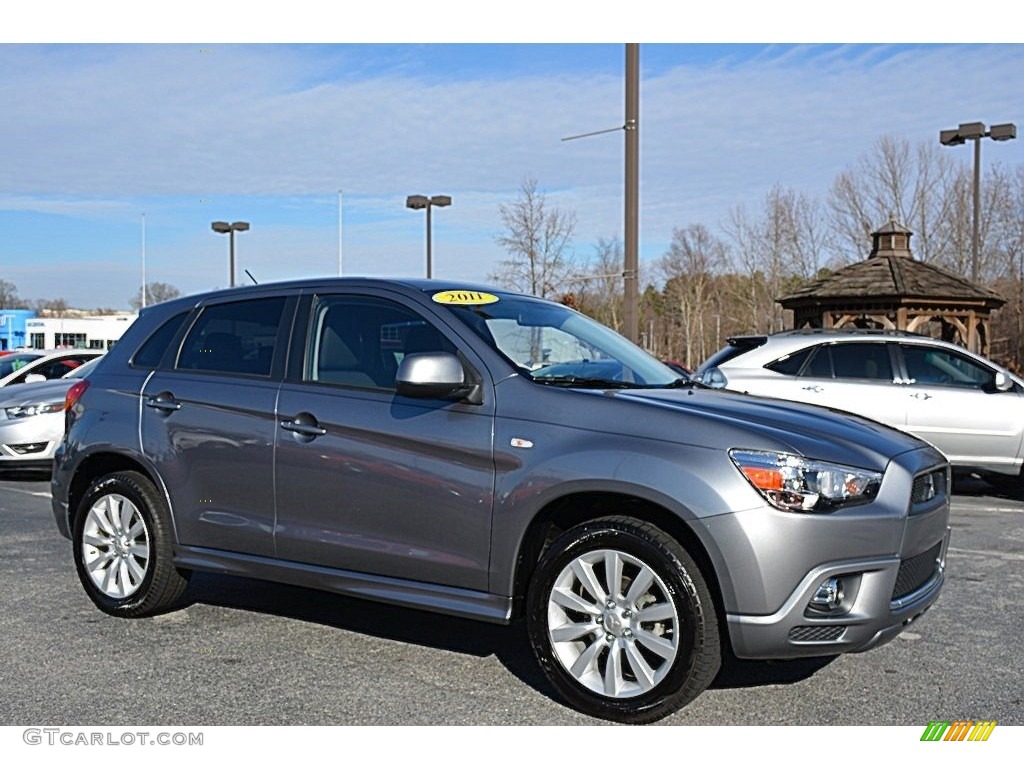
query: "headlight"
37, 409
796, 484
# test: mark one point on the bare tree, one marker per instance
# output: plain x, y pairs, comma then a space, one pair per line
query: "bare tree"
9, 296
538, 239
784, 245
689, 267
914, 186
50, 307
155, 293
598, 288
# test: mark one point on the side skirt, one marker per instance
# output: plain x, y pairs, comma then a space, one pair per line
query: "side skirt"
453, 601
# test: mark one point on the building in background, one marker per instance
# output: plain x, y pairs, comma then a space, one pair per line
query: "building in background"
12, 327
76, 332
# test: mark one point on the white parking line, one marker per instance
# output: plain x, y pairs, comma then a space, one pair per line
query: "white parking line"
986, 553
986, 508
43, 494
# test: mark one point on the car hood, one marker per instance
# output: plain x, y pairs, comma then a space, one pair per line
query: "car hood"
36, 392
733, 420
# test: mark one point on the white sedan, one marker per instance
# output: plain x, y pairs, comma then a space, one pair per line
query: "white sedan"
39, 365
32, 419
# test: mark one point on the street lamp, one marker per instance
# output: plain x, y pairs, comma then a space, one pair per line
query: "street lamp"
976, 132
418, 203
229, 229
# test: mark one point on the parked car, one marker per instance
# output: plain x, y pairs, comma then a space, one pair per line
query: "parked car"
969, 407
41, 365
397, 441
32, 419
678, 367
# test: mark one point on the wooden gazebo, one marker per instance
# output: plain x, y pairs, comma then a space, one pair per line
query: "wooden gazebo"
892, 290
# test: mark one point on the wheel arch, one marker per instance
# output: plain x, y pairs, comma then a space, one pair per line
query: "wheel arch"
104, 463
578, 507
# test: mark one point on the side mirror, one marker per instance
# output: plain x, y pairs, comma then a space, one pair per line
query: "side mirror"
1002, 382
433, 375
34, 378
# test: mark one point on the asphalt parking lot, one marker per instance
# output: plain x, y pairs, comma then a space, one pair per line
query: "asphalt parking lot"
244, 652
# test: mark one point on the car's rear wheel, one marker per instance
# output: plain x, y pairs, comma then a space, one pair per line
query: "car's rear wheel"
123, 547
622, 622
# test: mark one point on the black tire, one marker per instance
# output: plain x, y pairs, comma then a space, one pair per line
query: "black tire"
127, 571
659, 682
1008, 485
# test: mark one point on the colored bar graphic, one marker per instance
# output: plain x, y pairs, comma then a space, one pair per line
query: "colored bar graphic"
982, 730
958, 730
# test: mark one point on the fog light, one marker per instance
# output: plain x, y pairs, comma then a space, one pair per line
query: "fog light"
829, 596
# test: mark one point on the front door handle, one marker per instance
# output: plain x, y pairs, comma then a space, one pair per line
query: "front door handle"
922, 396
303, 427
813, 388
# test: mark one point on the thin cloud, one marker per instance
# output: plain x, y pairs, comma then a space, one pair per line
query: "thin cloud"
97, 131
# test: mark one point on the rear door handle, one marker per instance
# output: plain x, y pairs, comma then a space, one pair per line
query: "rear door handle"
164, 402
922, 396
813, 388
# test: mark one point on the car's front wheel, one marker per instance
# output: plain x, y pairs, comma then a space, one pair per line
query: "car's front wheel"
622, 621
123, 547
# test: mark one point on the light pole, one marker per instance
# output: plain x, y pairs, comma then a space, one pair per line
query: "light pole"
143, 261
631, 261
976, 132
419, 202
229, 229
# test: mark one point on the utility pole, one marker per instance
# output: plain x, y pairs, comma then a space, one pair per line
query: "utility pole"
631, 267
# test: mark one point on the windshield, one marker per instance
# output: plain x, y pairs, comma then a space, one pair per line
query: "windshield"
553, 344
83, 370
11, 363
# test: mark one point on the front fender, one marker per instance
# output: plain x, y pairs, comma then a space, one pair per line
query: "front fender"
664, 474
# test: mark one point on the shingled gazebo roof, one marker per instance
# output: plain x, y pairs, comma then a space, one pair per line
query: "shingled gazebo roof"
891, 275
892, 290
885, 279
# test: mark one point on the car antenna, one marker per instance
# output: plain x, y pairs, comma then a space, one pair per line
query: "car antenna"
254, 281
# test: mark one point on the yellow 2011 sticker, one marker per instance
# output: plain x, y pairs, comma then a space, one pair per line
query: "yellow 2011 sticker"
463, 298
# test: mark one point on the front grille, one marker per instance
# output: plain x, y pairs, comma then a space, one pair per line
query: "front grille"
916, 571
816, 634
928, 486
23, 449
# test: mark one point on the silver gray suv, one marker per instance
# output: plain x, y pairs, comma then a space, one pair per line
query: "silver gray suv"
482, 454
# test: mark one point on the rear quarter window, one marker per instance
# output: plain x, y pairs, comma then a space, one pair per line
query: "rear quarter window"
790, 365
152, 350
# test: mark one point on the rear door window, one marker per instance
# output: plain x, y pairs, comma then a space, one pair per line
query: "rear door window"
862, 361
236, 338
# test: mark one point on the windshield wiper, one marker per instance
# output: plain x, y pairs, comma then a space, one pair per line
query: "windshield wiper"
684, 382
585, 381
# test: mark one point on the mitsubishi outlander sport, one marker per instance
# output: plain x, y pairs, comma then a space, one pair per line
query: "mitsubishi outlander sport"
489, 455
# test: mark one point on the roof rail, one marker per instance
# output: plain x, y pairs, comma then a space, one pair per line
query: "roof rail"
850, 332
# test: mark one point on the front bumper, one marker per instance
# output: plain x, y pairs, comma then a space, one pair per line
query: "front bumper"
889, 555
31, 440
877, 611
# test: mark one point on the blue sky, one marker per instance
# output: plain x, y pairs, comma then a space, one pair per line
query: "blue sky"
95, 135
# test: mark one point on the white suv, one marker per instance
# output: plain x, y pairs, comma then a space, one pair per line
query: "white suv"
967, 406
